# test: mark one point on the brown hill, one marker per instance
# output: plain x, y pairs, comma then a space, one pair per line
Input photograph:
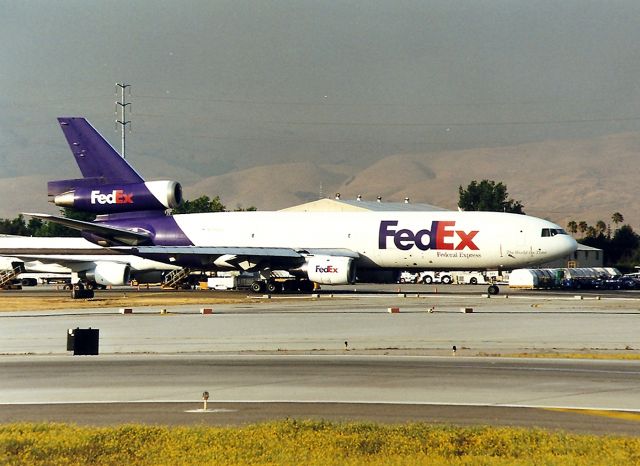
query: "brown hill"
273, 186
561, 180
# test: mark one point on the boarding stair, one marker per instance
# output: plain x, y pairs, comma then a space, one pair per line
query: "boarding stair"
9, 275
175, 278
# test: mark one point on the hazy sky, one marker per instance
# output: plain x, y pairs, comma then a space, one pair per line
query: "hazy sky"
222, 85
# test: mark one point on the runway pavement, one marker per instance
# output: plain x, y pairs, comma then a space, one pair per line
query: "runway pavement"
272, 358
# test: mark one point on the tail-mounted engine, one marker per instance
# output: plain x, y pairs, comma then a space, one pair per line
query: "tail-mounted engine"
115, 198
329, 270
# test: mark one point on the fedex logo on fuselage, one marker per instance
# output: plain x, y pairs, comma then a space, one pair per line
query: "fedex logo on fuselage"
442, 235
327, 269
117, 196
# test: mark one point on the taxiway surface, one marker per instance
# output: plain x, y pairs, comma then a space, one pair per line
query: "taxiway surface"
278, 357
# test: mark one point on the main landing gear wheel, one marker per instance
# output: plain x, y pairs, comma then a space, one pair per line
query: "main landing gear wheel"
305, 286
79, 292
257, 287
493, 289
273, 287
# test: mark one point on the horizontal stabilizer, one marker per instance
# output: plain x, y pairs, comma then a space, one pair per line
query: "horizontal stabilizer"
111, 234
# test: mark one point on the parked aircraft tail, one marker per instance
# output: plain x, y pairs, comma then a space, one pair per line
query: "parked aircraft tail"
109, 184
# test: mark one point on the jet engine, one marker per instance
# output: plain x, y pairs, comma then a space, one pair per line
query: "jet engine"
113, 198
109, 273
329, 270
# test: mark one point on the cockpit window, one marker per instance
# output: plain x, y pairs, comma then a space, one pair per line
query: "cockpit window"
553, 232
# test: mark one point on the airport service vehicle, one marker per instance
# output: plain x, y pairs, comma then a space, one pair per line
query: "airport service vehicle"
429, 276
322, 247
470, 278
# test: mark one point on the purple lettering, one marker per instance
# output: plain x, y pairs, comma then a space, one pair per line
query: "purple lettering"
437, 238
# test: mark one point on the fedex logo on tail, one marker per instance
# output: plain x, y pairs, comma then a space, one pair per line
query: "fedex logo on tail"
442, 235
117, 196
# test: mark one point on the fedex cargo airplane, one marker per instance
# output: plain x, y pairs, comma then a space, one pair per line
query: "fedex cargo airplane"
321, 247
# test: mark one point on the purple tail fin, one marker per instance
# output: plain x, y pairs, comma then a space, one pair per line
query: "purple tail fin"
99, 162
110, 185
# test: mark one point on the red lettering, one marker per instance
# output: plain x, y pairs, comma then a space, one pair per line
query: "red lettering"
466, 240
444, 233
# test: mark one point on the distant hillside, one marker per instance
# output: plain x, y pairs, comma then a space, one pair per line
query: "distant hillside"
273, 186
560, 180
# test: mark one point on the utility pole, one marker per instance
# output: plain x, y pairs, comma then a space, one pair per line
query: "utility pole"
123, 111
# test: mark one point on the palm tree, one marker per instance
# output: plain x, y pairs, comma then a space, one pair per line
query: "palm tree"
601, 227
582, 227
572, 226
617, 218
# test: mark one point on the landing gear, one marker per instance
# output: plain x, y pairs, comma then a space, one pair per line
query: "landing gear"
273, 287
305, 286
289, 286
80, 292
258, 286
493, 289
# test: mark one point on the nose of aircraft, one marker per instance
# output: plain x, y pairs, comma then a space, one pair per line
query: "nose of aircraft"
566, 244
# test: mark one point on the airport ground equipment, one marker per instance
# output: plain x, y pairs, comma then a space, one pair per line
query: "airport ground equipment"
7, 277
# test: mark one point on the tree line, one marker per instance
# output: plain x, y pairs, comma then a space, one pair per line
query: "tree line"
621, 245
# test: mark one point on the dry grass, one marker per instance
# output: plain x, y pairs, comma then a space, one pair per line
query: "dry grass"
17, 302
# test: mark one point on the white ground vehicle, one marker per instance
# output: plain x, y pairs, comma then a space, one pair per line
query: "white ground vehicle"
427, 277
470, 278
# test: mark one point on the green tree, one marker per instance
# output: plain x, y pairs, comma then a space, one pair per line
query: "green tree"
572, 226
16, 226
487, 196
200, 205
37, 227
624, 246
204, 204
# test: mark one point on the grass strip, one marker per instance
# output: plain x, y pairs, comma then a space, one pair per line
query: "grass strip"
307, 442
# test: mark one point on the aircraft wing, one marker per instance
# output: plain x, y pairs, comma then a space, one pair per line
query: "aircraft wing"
245, 258
66, 259
117, 235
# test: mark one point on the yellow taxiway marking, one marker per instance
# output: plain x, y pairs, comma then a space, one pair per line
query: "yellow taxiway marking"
627, 416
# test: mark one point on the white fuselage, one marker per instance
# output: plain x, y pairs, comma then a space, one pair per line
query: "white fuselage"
398, 240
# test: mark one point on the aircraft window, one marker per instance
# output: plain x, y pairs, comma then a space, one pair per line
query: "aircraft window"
553, 232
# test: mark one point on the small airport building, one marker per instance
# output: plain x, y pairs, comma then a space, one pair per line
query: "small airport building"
359, 205
584, 256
